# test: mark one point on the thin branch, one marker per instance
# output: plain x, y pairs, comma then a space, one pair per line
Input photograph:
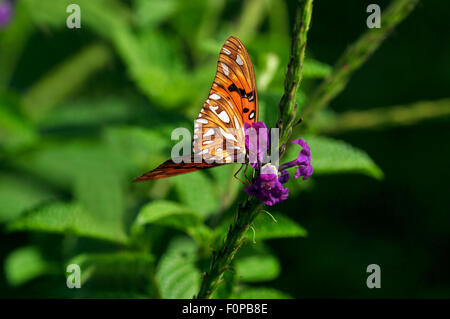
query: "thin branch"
53, 87
287, 108
382, 117
222, 258
355, 56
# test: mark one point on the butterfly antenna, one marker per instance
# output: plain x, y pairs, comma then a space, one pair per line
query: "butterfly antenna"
235, 175
299, 121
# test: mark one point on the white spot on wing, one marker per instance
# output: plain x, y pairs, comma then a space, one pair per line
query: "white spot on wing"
228, 136
226, 51
202, 121
236, 122
209, 132
208, 142
225, 68
214, 96
239, 60
224, 117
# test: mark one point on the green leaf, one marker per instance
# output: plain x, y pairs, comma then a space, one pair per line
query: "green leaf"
63, 218
256, 264
87, 112
144, 148
53, 87
91, 170
168, 213
171, 214
150, 13
177, 275
104, 17
227, 186
62, 163
25, 264
118, 270
101, 194
261, 293
330, 156
196, 191
267, 228
15, 131
315, 69
154, 63
18, 194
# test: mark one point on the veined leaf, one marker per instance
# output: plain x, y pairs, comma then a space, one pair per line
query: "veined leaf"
150, 13
101, 194
62, 163
267, 228
261, 293
103, 16
196, 191
25, 264
177, 274
17, 195
83, 112
66, 218
15, 132
315, 69
330, 156
145, 148
255, 264
226, 184
173, 215
124, 270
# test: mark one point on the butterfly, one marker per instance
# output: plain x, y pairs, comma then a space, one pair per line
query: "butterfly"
232, 101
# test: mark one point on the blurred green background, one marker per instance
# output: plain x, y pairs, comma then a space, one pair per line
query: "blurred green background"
84, 111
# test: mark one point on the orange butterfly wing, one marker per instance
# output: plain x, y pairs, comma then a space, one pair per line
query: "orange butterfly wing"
232, 101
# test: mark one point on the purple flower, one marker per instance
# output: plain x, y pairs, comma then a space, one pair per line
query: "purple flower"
284, 176
267, 186
6, 12
303, 161
256, 142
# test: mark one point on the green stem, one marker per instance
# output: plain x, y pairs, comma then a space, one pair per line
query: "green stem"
64, 80
355, 56
253, 14
381, 117
247, 212
222, 259
287, 108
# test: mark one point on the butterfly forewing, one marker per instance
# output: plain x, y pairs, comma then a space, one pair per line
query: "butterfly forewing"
232, 101
219, 128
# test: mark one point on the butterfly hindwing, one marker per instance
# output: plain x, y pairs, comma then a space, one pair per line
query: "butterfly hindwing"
171, 168
219, 128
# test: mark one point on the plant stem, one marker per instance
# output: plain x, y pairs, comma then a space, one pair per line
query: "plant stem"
381, 117
54, 87
287, 108
355, 56
222, 259
246, 214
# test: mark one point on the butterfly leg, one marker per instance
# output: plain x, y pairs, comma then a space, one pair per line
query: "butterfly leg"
245, 173
238, 173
